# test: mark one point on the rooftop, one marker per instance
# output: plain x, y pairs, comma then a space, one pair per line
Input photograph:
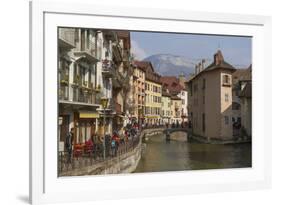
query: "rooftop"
172, 83
147, 67
242, 75
247, 91
218, 63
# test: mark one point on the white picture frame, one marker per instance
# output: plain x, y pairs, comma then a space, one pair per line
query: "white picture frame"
46, 187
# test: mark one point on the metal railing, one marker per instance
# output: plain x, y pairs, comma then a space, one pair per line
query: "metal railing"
92, 155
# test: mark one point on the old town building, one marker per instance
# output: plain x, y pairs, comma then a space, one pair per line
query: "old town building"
242, 102
178, 92
78, 57
166, 113
153, 93
92, 64
121, 79
139, 92
210, 100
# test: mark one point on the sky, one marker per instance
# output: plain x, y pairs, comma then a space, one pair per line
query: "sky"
236, 50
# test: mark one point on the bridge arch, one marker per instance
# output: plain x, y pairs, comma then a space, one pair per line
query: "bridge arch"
170, 131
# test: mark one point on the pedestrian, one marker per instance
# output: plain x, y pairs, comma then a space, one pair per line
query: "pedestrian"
68, 144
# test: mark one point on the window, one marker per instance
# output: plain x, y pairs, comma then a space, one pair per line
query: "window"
203, 122
226, 80
226, 97
190, 89
195, 87
239, 119
182, 101
226, 120
204, 84
235, 106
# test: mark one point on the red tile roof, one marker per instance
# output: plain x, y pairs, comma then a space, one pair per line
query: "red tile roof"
172, 84
143, 65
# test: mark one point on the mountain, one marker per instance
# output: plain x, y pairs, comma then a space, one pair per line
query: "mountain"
167, 64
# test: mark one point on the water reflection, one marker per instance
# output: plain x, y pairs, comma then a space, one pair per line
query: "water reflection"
181, 155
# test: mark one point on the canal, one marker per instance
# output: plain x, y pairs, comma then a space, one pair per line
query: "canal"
178, 154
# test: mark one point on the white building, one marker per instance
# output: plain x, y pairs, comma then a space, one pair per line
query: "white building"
84, 76
183, 95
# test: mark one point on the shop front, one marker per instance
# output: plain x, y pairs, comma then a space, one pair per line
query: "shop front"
85, 126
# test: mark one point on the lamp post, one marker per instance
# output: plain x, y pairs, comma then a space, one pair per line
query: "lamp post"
104, 102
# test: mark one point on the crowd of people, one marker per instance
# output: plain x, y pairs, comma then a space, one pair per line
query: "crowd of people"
110, 145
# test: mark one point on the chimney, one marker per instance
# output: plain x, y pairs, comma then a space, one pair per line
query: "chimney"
199, 67
218, 58
196, 69
203, 64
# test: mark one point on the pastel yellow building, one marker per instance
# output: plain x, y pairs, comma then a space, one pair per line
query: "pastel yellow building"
139, 93
166, 113
153, 93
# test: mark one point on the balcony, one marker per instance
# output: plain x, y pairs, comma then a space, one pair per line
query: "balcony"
98, 89
64, 79
66, 38
88, 52
91, 86
76, 80
142, 94
85, 84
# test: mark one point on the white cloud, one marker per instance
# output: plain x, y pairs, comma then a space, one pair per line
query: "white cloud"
137, 51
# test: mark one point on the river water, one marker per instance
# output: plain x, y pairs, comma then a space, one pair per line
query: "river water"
179, 155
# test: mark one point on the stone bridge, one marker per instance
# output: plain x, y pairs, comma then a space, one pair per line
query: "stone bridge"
169, 131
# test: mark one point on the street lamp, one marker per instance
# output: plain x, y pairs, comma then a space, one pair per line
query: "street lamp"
104, 102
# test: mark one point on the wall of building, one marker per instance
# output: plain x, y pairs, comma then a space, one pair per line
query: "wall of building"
206, 101
246, 115
152, 116
184, 97
139, 95
226, 106
176, 105
166, 109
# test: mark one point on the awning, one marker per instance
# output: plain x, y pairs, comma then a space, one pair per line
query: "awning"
89, 115
152, 117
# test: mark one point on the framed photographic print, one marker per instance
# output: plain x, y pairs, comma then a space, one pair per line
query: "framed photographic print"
146, 102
